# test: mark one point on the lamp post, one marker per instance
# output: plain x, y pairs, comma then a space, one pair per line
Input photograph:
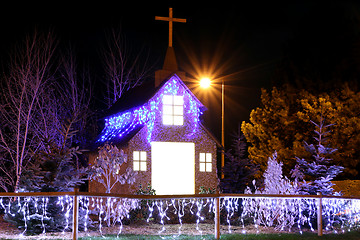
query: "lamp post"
222, 128
205, 83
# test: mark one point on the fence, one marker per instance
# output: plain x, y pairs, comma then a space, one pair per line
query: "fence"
279, 211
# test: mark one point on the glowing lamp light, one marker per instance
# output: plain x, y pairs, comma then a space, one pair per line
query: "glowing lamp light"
205, 82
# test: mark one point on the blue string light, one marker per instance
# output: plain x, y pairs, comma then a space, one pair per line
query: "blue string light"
121, 124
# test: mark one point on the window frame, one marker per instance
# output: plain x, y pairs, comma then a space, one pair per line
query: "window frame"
140, 161
205, 162
173, 110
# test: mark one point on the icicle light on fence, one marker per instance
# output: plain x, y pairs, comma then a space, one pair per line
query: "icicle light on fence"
280, 213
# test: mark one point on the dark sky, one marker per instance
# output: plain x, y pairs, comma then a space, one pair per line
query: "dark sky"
242, 41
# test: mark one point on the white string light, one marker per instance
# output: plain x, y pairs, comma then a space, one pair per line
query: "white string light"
340, 215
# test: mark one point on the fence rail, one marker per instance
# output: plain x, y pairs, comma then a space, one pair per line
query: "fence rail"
185, 196
216, 197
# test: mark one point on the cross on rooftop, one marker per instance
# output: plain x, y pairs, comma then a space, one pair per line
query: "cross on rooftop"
170, 19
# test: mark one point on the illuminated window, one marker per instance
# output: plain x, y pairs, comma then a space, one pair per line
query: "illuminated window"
205, 162
139, 160
173, 110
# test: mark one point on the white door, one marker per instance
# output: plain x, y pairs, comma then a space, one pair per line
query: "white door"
173, 167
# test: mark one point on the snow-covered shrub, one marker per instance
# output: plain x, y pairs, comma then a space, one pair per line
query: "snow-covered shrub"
280, 213
274, 181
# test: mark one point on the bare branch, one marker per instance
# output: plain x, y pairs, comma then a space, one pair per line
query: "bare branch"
122, 71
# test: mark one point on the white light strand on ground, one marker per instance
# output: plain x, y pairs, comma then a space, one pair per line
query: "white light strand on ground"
199, 205
66, 204
100, 207
110, 211
26, 213
85, 204
178, 208
45, 201
120, 209
229, 204
179, 211
279, 213
151, 210
162, 213
341, 212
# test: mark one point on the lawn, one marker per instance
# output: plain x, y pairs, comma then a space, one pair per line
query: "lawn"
355, 235
284, 236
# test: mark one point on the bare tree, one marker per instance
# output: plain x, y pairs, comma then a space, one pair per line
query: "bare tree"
123, 69
107, 168
28, 74
42, 100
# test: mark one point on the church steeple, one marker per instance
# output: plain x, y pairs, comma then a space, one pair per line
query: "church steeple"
170, 64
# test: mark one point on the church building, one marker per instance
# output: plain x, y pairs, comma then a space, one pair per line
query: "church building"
158, 126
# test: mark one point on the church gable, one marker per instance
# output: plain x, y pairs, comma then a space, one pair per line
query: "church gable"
173, 105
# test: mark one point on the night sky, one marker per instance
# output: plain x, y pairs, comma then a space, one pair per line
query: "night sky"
242, 41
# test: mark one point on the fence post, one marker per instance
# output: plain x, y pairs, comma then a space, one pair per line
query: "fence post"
217, 217
75, 214
319, 216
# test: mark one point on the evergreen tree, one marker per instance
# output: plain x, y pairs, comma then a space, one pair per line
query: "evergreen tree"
54, 169
285, 111
271, 128
239, 169
318, 171
274, 181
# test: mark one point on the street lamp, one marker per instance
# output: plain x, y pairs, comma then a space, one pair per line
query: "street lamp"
205, 83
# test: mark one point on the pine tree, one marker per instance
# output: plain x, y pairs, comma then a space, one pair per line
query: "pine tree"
318, 172
239, 169
54, 169
274, 181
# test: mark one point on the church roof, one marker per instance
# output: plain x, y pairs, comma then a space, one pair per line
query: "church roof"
137, 108
140, 95
133, 98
